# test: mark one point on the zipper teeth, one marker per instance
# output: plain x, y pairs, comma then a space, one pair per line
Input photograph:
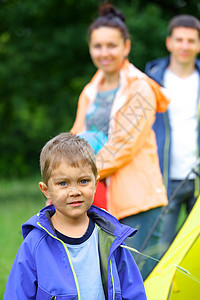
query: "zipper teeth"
67, 251
112, 280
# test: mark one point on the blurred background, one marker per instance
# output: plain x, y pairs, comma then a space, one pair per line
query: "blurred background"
44, 64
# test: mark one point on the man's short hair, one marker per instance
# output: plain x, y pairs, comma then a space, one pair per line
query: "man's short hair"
66, 147
187, 21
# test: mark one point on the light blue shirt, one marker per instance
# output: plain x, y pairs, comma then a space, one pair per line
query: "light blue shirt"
85, 260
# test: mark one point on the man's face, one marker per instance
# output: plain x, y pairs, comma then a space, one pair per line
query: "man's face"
184, 45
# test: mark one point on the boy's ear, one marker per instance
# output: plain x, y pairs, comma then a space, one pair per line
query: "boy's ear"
44, 190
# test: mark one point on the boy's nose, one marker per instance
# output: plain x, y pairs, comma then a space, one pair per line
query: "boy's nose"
73, 191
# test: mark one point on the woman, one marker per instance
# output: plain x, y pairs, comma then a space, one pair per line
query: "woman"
122, 101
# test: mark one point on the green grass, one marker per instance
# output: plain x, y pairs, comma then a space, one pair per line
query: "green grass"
19, 200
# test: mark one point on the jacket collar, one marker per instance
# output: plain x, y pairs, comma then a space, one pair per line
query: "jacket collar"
101, 217
156, 68
109, 223
127, 71
128, 74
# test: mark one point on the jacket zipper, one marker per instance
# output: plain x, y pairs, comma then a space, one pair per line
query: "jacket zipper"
112, 280
65, 247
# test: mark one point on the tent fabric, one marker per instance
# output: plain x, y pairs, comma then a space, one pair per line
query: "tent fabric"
168, 282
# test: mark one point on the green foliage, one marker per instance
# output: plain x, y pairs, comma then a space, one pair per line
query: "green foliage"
148, 30
45, 64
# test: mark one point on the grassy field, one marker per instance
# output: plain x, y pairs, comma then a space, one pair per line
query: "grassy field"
19, 200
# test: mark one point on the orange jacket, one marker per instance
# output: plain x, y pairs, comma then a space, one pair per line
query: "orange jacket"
129, 159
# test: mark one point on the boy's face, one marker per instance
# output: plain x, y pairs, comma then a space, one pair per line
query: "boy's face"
71, 190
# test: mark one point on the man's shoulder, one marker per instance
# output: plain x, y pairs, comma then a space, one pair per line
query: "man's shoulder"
157, 60
153, 65
156, 68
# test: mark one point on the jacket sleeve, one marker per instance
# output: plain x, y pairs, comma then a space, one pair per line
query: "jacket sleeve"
21, 283
132, 285
131, 126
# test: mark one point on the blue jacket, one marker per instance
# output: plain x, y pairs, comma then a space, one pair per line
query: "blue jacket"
43, 270
155, 69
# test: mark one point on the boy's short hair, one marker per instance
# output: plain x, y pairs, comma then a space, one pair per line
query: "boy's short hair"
66, 147
187, 21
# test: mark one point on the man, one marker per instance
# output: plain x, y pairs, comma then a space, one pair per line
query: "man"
177, 131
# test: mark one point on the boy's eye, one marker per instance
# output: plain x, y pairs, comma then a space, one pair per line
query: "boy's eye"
63, 183
84, 181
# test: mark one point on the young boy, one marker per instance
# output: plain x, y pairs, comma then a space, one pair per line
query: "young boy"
71, 249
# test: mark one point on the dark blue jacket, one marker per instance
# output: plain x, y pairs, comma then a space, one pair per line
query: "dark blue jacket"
155, 69
43, 270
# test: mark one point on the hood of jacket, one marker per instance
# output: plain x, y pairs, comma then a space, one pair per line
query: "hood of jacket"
155, 69
102, 218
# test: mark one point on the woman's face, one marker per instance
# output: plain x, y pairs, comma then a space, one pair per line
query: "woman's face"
108, 49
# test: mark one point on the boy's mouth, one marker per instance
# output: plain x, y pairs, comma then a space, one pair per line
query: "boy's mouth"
75, 203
